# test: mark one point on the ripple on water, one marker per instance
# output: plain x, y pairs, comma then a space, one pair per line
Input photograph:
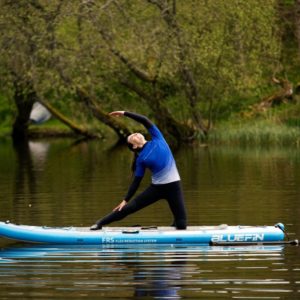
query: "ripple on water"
133, 272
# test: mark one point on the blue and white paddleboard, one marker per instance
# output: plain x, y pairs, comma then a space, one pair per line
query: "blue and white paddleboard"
201, 235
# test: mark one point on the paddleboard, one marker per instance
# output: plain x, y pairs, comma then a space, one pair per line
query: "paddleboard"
200, 235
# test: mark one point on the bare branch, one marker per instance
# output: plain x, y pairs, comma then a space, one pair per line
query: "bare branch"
121, 130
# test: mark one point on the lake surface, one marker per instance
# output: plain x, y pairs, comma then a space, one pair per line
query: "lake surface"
62, 183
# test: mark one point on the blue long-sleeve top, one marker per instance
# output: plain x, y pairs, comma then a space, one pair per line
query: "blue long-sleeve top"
155, 155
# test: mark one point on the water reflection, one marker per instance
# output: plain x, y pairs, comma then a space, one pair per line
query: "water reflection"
25, 175
161, 281
38, 152
161, 272
68, 183
30, 160
31, 157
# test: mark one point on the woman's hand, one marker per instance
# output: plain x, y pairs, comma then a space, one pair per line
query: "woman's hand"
120, 206
117, 113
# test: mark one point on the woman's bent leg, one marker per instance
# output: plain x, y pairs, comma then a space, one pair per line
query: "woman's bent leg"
146, 198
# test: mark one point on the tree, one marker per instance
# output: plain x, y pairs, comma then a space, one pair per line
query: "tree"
181, 62
198, 53
28, 44
15, 35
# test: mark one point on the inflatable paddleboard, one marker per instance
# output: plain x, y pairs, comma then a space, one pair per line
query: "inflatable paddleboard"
200, 235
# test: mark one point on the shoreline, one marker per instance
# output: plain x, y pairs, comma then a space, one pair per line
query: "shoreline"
258, 134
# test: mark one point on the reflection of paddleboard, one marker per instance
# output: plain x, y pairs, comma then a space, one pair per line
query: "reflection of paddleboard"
9, 254
201, 235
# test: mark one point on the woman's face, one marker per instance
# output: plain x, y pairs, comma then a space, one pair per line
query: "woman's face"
137, 140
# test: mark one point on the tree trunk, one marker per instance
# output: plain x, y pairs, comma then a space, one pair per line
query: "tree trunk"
172, 129
24, 98
120, 129
62, 118
276, 98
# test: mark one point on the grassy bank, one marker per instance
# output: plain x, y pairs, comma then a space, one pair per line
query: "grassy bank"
52, 128
261, 132
279, 126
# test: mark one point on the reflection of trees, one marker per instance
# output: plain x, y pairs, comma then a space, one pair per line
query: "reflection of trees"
25, 177
30, 157
252, 185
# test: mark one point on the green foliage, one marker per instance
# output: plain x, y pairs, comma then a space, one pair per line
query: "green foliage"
6, 112
230, 49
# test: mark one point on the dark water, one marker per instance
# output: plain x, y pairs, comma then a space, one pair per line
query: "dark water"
60, 183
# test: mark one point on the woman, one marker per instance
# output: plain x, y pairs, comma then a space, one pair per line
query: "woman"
156, 156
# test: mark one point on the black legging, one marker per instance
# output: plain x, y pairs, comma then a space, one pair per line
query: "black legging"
172, 192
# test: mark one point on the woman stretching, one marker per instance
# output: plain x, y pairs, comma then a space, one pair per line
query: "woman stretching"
156, 156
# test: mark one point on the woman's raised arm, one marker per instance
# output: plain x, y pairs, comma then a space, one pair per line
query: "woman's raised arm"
139, 118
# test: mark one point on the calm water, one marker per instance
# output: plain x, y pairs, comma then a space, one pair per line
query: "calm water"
61, 183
